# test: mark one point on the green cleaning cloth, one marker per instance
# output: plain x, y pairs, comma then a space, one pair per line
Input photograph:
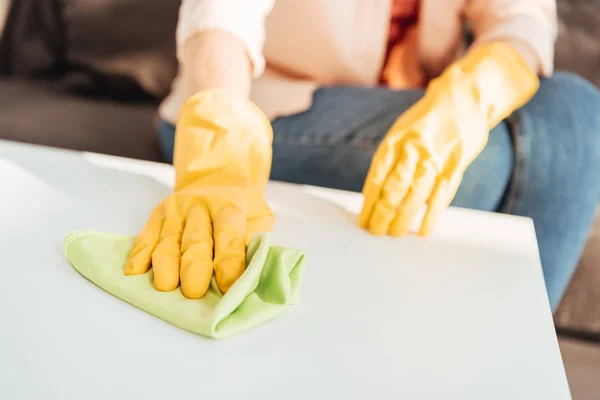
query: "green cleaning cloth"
272, 281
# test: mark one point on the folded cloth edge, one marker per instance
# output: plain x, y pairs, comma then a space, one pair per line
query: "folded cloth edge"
228, 305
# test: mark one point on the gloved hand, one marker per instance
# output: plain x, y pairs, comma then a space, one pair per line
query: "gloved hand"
222, 162
422, 159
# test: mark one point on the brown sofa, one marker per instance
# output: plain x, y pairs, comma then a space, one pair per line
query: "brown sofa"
84, 111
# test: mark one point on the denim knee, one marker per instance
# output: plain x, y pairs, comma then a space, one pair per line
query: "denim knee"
569, 91
574, 103
559, 140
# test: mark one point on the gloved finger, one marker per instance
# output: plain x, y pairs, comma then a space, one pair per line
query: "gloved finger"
229, 232
262, 222
196, 253
441, 198
394, 190
167, 255
383, 161
416, 198
140, 258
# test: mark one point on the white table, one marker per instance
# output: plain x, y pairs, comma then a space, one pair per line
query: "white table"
462, 315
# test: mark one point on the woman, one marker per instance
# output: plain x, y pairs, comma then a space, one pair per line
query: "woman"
348, 87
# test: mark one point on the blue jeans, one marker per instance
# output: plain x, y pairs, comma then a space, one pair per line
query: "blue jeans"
542, 163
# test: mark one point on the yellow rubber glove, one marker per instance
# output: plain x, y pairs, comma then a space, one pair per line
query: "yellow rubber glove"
422, 159
222, 162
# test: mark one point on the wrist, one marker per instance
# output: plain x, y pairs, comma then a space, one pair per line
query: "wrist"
498, 78
216, 60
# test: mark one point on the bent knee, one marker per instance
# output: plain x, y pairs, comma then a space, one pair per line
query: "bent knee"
568, 106
568, 91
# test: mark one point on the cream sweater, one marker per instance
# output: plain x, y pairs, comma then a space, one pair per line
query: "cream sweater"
308, 43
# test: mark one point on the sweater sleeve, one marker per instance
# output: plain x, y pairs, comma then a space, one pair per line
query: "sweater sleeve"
4, 8
530, 26
242, 18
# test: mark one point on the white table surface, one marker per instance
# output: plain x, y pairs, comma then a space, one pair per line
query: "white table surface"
460, 315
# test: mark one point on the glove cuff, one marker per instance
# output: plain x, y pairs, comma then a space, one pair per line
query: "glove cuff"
218, 132
497, 76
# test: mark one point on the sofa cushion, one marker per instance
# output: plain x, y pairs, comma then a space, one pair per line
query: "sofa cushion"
122, 49
577, 46
41, 112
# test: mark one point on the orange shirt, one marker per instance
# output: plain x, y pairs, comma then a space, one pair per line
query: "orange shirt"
401, 67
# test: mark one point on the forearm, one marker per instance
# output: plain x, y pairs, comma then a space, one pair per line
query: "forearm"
220, 43
235, 133
217, 60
